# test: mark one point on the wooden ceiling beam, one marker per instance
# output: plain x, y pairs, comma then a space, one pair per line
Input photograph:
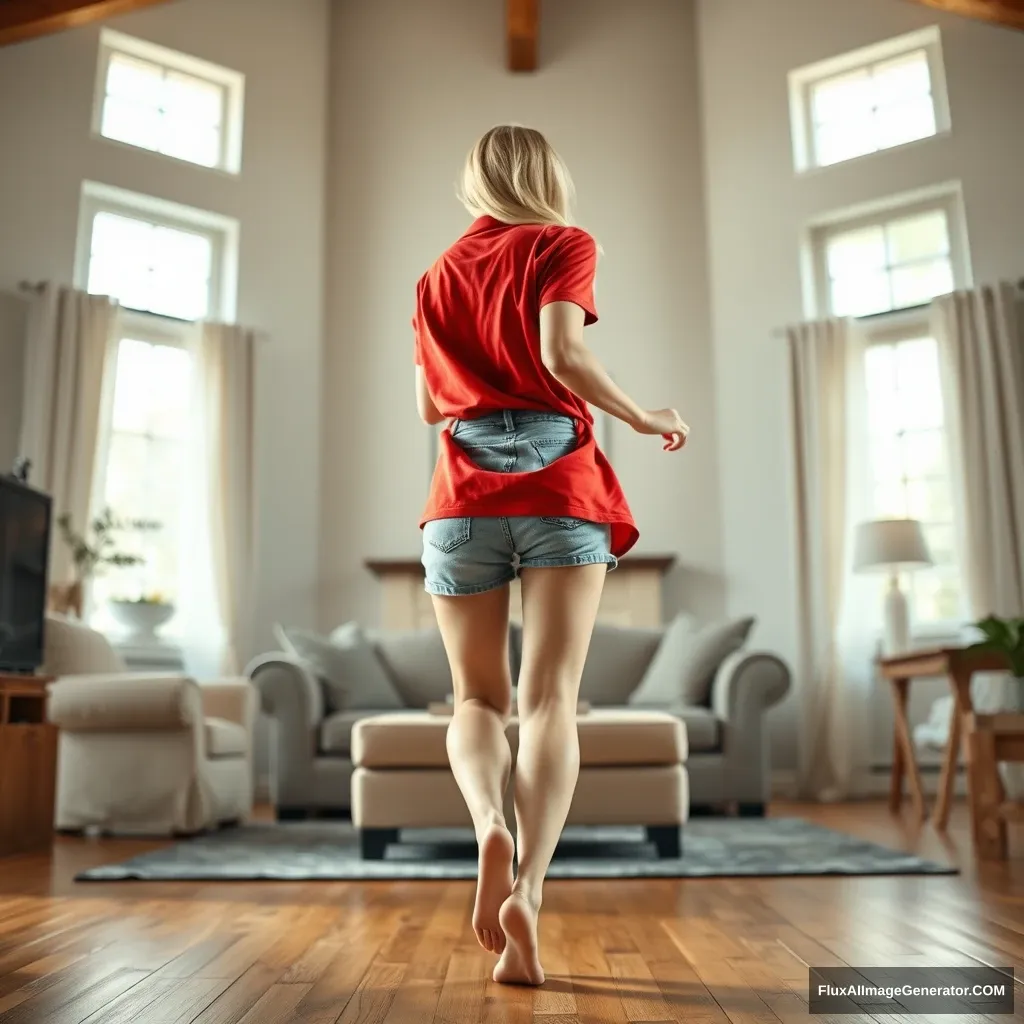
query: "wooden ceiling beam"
522, 19
1009, 13
27, 19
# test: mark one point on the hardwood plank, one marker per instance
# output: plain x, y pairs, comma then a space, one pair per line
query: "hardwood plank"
465, 985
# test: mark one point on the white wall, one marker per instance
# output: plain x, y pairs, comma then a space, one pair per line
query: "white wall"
47, 150
757, 208
413, 85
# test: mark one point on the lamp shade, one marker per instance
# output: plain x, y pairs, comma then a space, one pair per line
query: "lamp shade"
890, 543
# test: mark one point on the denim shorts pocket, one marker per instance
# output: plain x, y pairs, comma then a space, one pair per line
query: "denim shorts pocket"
563, 522
447, 534
548, 450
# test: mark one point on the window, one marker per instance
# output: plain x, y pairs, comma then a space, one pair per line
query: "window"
909, 464
869, 100
169, 102
157, 257
168, 266
146, 460
892, 258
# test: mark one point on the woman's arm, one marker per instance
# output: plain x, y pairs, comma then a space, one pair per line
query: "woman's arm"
424, 403
572, 364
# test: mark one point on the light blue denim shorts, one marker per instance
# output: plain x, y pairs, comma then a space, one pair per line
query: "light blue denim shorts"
468, 555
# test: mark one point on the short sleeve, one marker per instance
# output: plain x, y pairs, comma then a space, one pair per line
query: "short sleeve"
417, 350
565, 272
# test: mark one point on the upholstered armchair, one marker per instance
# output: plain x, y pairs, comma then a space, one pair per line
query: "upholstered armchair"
144, 753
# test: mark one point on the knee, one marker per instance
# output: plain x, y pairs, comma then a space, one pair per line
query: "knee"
499, 707
553, 702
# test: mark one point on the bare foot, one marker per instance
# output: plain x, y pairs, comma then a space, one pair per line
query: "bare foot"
494, 883
519, 964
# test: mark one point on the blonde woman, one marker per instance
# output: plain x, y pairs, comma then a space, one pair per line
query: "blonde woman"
521, 489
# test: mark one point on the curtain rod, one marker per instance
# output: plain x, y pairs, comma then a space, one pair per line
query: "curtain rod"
38, 286
780, 332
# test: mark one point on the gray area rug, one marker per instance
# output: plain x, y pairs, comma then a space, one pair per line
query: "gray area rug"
712, 848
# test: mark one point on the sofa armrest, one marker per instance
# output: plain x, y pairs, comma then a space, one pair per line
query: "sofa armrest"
125, 702
290, 695
234, 700
747, 684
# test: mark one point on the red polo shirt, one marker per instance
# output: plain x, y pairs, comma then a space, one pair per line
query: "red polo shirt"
477, 331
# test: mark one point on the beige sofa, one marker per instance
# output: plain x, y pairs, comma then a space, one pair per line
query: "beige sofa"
144, 753
311, 763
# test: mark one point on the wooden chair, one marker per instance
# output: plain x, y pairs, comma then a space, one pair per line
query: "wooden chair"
992, 739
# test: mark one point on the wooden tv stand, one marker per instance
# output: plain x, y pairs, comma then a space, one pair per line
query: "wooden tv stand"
28, 765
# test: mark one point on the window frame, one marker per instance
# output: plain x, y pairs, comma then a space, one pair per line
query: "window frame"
892, 328
948, 198
221, 231
230, 83
802, 81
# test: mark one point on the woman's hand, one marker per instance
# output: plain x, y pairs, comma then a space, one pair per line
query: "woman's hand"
666, 422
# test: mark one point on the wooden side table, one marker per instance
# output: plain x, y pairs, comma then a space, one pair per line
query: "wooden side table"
992, 739
958, 665
28, 765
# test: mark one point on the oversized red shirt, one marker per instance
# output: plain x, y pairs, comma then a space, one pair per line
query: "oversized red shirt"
477, 332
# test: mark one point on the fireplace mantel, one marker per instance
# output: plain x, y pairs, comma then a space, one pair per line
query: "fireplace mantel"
632, 593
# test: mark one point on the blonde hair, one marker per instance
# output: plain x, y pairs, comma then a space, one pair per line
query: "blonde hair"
514, 175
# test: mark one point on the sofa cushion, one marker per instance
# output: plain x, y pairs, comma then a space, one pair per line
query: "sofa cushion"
224, 738
347, 666
608, 737
683, 670
703, 729
416, 664
616, 663
336, 732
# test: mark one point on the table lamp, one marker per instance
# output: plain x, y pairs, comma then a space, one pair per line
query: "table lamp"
892, 545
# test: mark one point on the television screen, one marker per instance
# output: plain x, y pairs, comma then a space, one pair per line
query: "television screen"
24, 567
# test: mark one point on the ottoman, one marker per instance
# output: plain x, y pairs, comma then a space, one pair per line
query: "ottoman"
632, 772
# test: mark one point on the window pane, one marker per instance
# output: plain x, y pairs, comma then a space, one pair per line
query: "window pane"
935, 595
939, 538
120, 256
904, 122
917, 370
170, 371
137, 80
192, 141
890, 500
925, 453
916, 283
856, 252
910, 239
859, 296
132, 387
880, 372
180, 283
929, 500
844, 140
192, 100
902, 78
845, 96
131, 122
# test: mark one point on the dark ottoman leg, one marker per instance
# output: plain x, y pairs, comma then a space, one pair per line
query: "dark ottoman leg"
292, 813
750, 810
374, 842
667, 840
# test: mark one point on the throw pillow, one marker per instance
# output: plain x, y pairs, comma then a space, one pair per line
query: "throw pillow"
347, 666
683, 670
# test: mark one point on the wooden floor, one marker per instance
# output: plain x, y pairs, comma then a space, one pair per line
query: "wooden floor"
630, 951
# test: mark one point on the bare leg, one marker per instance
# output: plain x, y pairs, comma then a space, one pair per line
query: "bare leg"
559, 609
475, 634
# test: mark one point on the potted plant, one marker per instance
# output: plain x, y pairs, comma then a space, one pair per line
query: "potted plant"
95, 550
1005, 637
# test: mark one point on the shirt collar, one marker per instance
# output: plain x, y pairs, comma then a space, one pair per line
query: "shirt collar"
483, 224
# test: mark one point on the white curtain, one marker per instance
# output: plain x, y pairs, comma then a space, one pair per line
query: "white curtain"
218, 558
980, 335
826, 374
70, 353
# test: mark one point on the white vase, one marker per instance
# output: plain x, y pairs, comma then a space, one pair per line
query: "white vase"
141, 619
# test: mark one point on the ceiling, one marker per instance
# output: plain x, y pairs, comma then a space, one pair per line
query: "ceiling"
26, 19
